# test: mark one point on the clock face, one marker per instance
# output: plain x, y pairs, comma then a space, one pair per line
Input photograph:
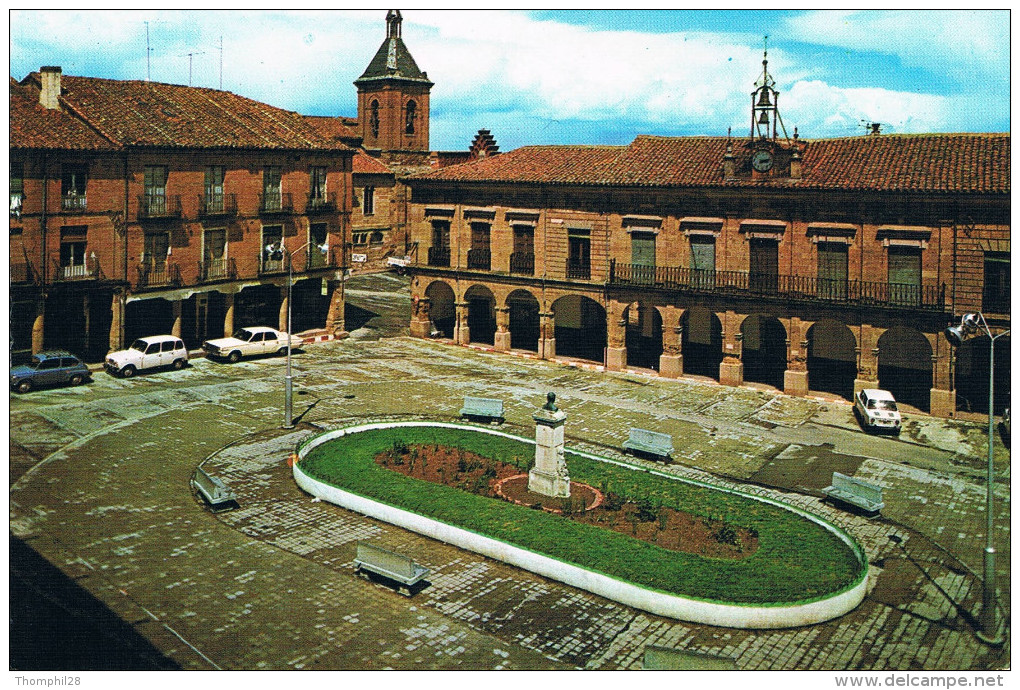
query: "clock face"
762, 160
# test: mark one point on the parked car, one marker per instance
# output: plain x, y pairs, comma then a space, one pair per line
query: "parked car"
248, 342
53, 367
153, 352
876, 409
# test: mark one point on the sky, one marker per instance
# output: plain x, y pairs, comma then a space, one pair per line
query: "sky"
567, 76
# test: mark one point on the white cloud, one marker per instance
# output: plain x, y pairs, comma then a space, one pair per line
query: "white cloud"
820, 109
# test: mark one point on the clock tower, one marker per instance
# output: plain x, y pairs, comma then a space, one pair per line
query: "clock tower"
393, 98
766, 153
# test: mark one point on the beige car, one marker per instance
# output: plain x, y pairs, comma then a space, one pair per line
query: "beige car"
250, 342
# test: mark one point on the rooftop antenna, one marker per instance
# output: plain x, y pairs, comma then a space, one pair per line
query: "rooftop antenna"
148, 54
190, 56
221, 62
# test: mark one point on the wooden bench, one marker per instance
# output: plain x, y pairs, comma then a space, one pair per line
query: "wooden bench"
489, 409
390, 565
650, 442
855, 492
213, 490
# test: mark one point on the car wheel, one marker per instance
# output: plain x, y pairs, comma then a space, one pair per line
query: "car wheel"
127, 372
178, 364
77, 380
234, 357
282, 351
24, 386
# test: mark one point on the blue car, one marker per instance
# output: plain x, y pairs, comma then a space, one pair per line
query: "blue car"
53, 367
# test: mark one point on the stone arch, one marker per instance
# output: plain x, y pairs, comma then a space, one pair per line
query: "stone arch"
481, 314
580, 327
701, 343
905, 366
763, 349
643, 335
442, 308
972, 369
831, 358
524, 318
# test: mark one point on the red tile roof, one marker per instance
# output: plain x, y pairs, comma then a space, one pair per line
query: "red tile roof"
140, 113
35, 127
365, 164
889, 162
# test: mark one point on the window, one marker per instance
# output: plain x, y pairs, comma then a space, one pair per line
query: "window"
578, 253
373, 118
73, 243
412, 108
155, 190
157, 248
376, 237
214, 188
832, 270
272, 235
17, 170
479, 256
904, 275
368, 201
272, 188
317, 175
439, 252
522, 261
317, 234
995, 297
72, 187
703, 261
360, 238
215, 252
642, 248
764, 265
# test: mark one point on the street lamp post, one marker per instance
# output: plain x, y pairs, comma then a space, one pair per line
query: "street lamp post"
969, 325
288, 390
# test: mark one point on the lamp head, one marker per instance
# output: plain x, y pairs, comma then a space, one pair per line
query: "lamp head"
955, 335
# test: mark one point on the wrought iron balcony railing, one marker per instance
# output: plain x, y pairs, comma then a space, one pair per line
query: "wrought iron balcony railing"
217, 269
577, 270
217, 204
522, 264
158, 274
73, 203
439, 256
275, 202
88, 270
159, 206
926, 295
321, 203
479, 259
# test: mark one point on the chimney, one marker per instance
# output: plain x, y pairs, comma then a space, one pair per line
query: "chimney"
876, 127
795, 165
49, 97
729, 164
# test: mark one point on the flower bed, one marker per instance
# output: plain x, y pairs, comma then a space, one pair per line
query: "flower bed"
797, 560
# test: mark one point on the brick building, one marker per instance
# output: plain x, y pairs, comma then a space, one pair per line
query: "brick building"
805, 265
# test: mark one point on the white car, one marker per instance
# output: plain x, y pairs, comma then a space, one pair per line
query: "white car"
248, 342
877, 410
152, 352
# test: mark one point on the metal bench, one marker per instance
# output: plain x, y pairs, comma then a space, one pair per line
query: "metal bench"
390, 565
489, 409
650, 442
855, 492
213, 490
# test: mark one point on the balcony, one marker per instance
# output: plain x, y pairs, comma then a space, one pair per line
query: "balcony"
217, 269
210, 205
577, 270
479, 259
439, 256
522, 264
315, 259
156, 206
321, 203
73, 203
275, 202
88, 270
928, 296
158, 274
273, 265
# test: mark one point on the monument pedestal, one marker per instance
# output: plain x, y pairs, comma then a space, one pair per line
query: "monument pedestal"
549, 475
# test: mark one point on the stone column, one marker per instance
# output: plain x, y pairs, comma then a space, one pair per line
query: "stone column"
284, 307
39, 326
228, 317
795, 379
731, 369
616, 341
867, 359
502, 339
549, 475
117, 322
942, 396
671, 361
175, 328
461, 330
546, 335
335, 317
421, 318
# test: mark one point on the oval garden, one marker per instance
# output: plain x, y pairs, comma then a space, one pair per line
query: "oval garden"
667, 545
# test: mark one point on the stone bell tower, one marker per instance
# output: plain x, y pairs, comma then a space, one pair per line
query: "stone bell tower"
393, 97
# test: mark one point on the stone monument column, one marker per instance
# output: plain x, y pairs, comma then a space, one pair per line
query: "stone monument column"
549, 475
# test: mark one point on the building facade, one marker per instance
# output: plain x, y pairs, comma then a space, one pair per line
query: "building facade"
804, 265
141, 208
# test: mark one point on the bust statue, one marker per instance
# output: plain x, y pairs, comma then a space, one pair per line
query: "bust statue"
550, 402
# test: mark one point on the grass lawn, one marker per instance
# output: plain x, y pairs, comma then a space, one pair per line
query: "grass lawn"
796, 561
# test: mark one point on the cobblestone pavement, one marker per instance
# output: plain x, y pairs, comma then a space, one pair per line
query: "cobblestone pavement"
100, 487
